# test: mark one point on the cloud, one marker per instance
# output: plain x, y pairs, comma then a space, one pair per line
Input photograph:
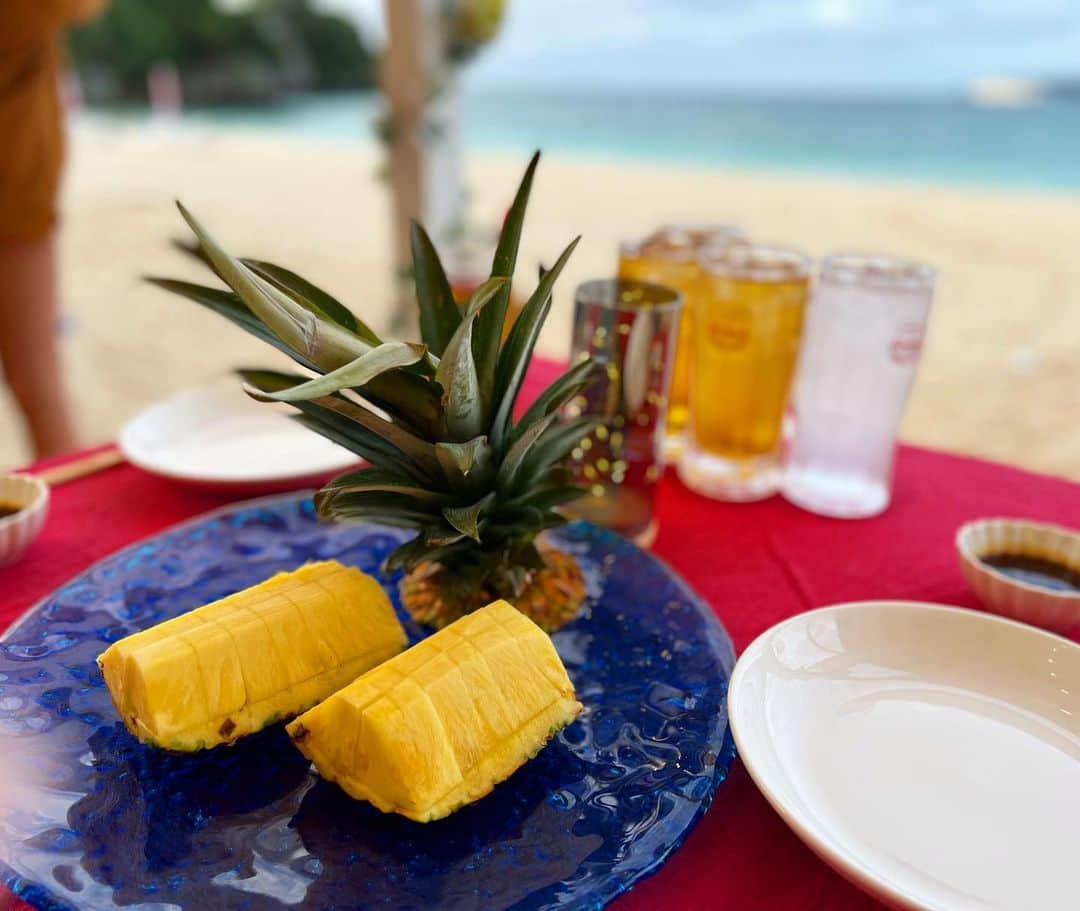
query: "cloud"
832, 45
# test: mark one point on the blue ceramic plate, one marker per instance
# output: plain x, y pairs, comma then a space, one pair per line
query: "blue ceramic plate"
91, 819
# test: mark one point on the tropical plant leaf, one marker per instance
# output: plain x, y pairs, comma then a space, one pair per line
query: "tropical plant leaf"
559, 476
463, 457
554, 520
343, 432
387, 356
524, 519
409, 399
482, 296
517, 352
375, 479
193, 250
527, 556
443, 535
312, 298
364, 431
407, 396
335, 429
387, 508
378, 479
325, 343
405, 556
466, 519
511, 464
418, 451
418, 550
557, 394
551, 446
465, 464
490, 325
463, 406
292, 324
545, 499
439, 313
229, 305
398, 518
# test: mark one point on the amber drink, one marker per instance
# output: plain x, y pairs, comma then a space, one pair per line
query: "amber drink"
669, 256
748, 324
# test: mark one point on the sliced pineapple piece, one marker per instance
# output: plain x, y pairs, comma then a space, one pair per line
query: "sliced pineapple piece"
441, 724
269, 652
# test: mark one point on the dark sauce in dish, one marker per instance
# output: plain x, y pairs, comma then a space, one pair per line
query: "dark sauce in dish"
1035, 571
8, 509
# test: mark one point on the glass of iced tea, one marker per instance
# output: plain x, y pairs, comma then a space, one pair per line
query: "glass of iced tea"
669, 256
748, 322
630, 329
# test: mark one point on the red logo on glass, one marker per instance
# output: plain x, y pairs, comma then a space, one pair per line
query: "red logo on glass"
907, 343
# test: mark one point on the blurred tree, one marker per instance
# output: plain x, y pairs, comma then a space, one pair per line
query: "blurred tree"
336, 50
258, 53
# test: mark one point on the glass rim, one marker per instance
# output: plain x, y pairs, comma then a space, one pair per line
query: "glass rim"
608, 293
717, 234
757, 262
877, 270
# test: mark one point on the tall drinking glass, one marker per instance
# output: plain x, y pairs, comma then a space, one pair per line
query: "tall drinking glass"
747, 326
669, 256
863, 339
630, 329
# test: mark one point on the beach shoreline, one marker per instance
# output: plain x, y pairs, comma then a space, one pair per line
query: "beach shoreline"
1000, 376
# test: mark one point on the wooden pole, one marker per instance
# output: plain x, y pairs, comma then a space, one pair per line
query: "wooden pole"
424, 155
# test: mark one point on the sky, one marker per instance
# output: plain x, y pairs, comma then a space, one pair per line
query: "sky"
788, 46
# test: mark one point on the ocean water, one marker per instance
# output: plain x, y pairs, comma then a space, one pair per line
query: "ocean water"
946, 140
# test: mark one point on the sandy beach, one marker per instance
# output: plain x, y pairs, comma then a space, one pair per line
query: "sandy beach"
1001, 371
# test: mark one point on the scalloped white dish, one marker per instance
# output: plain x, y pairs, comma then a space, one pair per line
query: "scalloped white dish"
930, 754
30, 496
216, 436
1052, 609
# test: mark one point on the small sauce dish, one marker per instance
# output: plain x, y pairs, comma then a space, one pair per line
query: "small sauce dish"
1029, 571
24, 503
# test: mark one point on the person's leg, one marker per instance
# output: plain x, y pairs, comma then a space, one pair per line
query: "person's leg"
31, 159
29, 353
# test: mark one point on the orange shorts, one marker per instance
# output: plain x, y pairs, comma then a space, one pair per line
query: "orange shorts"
31, 120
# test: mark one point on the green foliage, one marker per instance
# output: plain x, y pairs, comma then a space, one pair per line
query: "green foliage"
336, 49
256, 54
446, 457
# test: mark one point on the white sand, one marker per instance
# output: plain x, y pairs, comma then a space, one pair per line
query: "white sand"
1001, 370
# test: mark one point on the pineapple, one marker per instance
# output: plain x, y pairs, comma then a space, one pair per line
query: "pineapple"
232, 667
438, 726
434, 421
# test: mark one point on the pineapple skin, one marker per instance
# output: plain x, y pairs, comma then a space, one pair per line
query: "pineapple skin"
551, 597
438, 726
264, 654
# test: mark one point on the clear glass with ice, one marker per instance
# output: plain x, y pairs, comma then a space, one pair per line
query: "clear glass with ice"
861, 346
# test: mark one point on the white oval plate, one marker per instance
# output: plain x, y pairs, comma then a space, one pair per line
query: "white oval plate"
216, 436
930, 754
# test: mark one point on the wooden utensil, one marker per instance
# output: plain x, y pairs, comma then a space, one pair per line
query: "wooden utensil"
82, 466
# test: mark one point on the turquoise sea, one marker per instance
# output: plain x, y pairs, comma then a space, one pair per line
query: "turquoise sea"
925, 140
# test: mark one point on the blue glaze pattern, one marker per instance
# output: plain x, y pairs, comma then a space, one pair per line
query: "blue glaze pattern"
91, 819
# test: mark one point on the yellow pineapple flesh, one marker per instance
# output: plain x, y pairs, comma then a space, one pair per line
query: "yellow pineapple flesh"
263, 654
438, 726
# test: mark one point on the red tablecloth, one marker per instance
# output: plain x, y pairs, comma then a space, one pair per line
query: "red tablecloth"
755, 564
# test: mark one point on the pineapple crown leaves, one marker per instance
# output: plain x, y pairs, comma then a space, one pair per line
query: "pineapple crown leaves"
355, 373
434, 419
464, 406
